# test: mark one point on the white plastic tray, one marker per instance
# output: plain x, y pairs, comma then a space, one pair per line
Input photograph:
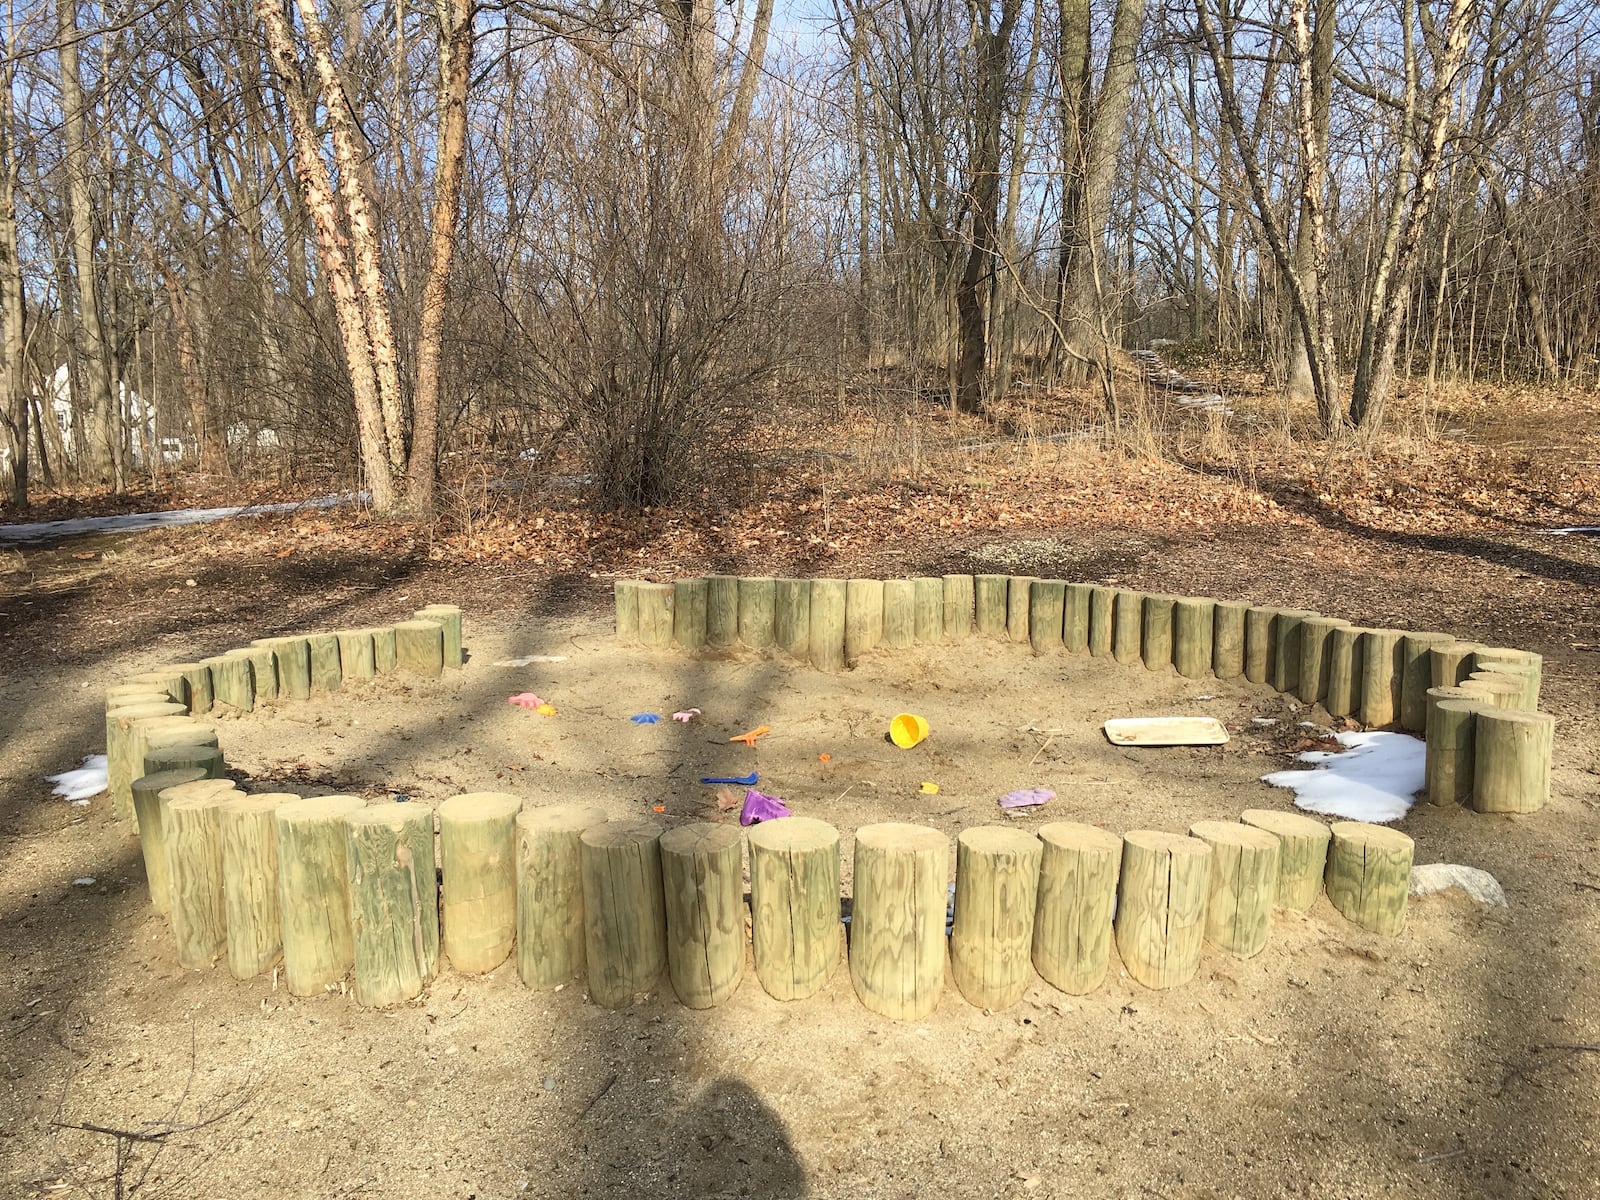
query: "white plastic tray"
1166, 731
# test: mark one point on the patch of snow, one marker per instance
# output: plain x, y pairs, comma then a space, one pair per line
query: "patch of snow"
80, 783
85, 881
1375, 779
1479, 884
134, 522
1562, 532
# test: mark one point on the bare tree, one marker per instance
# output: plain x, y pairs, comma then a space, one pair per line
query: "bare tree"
14, 399
101, 458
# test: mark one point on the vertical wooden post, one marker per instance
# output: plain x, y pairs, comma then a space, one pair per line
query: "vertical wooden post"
826, 638
191, 828
201, 694
1316, 657
132, 695
1193, 628
231, 683
383, 651
1450, 662
1452, 737
1286, 649
1244, 885
327, 672
448, 617
1523, 674
758, 612
249, 830
722, 610
1019, 607
1075, 618
990, 605
1302, 854
958, 607
1161, 906
625, 605
1343, 696
419, 647
1047, 604
690, 613
997, 891
166, 680
1077, 892
656, 614
1369, 875
1259, 643
703, 887
1511, 760
899, 613
160, 742
1416, 677
291, 659
147, 791
550, 892
1227, 638
863, 617
793, 620
120, 767
394, 902
314, 891
624, 919
1127, 626
929, 598
1380, 677
164, 759
477, 851
357, 655
1155, 646
1102, 619
794, 905
897, 945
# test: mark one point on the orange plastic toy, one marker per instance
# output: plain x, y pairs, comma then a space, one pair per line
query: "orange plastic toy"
749, 739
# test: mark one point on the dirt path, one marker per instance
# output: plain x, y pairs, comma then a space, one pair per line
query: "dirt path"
1335, 1064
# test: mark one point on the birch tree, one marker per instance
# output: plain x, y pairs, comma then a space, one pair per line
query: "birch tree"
398, 444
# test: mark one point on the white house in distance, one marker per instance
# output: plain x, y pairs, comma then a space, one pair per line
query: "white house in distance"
140, 415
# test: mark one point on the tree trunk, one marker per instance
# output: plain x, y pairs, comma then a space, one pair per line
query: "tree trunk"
98, 455
1367, 403
1086, 319
993, 50
1315, 50
207, 430
14, 399
455, 71
1218, 47
317, 189
362, 231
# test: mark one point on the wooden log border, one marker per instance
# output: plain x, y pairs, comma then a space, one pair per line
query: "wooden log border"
1434, 657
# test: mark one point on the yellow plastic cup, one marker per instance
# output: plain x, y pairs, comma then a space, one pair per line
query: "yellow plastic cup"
907, 729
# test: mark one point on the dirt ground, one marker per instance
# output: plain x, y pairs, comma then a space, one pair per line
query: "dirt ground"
1460, 1059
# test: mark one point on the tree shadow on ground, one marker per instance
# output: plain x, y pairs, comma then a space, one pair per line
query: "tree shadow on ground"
1498, 550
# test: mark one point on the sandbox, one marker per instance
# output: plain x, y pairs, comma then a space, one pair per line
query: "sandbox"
583, 846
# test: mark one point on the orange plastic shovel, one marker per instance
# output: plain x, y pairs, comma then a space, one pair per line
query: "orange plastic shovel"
749, 739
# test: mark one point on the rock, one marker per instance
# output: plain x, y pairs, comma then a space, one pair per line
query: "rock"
1436, 877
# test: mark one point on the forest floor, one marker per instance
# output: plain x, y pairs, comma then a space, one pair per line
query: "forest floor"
1459, 1059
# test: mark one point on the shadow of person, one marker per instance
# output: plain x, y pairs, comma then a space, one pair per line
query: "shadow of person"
727, 1143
